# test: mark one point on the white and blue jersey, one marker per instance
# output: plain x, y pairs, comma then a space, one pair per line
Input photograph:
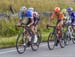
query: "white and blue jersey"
22, 15
29, 14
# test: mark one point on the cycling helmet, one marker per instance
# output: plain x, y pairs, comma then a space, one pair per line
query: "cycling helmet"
69, 9
64, 11
31, 8
23, 9
56, 9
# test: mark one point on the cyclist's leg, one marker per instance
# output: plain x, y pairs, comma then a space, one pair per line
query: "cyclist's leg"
28, 34
59, 29
59, 32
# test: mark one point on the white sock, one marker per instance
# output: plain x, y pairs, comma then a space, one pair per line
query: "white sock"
35, 39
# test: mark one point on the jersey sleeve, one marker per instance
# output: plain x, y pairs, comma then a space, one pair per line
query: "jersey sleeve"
29, 14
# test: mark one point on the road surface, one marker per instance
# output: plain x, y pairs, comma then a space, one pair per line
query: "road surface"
68, 51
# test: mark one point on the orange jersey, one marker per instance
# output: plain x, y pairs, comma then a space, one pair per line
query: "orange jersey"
59, 17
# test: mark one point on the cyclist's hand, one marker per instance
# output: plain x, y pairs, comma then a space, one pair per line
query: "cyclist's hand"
18, 24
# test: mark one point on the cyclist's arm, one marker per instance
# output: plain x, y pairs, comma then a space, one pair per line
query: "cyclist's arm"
50, 19
32, 21
20, 17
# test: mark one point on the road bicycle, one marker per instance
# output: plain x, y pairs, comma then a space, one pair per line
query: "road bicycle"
23, 40
53, 39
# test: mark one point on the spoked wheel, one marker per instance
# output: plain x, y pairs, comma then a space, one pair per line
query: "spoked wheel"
62, 44
21, 43
62, 41
36, 42
73, 40
73, 37
51, 41
67, 38
39, 36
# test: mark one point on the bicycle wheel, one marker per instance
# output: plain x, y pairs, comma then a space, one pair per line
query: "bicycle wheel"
67, 38
35, 46
21, 43
62, 44
39, 36
62, 41
51, 41
73, 40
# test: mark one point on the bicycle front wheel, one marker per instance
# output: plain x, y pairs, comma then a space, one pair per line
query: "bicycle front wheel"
21, 43
51, 41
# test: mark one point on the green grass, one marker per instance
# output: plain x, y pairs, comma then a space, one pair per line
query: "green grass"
7, 42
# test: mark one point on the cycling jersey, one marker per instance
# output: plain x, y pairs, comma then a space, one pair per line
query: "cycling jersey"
22, 15
59, 17
68, 18
33, 15
36, 18
29, 13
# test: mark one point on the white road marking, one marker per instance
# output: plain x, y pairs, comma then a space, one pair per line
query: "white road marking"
4, 52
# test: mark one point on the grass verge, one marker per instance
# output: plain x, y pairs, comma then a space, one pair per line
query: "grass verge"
6, 42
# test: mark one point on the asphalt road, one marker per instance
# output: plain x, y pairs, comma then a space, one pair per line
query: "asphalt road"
68, 51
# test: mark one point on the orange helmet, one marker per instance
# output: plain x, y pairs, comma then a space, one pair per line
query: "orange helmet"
56, 9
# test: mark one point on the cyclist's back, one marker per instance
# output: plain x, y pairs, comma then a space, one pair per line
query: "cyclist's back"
60, 16
36, 17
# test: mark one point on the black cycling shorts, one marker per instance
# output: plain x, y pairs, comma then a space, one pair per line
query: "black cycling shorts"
29, 21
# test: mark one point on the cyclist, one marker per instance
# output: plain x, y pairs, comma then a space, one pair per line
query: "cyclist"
57, 14
33, 17
22, 15
69, 13
36, 19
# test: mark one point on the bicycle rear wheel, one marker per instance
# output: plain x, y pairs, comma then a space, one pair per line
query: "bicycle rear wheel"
51, 41
35, 46
21, 43
67, 38
62, 40
73, 37
39, 36
62, 44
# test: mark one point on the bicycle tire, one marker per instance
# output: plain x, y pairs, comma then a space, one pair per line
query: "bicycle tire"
62, 41
73, 40
51, 35
39, 36
67, 38
33, 45
17, 46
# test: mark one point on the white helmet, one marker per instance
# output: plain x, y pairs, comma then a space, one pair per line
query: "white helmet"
31, 8
23, 9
